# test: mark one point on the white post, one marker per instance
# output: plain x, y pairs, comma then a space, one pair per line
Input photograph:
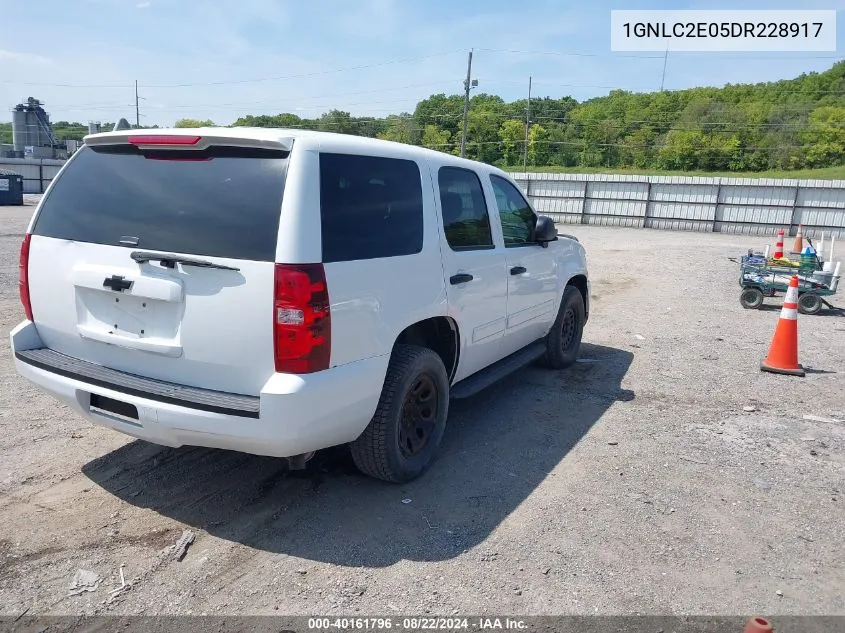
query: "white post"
766, 254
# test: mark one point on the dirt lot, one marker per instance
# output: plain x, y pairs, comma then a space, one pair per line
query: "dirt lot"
632, 483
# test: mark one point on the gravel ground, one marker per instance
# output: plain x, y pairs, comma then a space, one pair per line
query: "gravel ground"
634, 482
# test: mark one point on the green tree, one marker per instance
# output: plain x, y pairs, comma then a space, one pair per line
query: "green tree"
435, 138
681, 150
785, 124
264, 120
446, 112
193, 123
564, 145
538, 146
512, 135
638, 148
825, 137
337, 121
401, 129
483, 143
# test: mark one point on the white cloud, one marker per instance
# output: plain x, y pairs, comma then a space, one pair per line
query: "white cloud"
23, 58
143, 5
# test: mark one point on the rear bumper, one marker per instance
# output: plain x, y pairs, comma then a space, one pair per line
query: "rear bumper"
293, 414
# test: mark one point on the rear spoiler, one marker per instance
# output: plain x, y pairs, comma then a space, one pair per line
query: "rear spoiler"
185, 139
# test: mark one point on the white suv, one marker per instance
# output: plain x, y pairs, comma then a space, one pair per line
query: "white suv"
277, 292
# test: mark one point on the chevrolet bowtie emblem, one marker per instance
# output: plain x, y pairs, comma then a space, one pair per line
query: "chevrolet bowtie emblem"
117, 283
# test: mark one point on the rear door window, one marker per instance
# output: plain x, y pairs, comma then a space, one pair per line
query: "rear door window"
370, 207
220, 202
466, 221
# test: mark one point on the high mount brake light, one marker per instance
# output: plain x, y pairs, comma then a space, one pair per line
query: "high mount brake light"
164, 139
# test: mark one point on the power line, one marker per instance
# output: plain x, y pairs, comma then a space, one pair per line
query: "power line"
406, 60
627, 146
243, 81
561, 53
634, 56
412, 124
781, 107
244, 104
304, 75
568, 119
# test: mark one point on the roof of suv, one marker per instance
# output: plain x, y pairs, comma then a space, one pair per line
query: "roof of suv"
336, 140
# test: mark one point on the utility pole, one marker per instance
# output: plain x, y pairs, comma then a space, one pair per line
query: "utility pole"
137, 108
663, 76
466, 102
527, 126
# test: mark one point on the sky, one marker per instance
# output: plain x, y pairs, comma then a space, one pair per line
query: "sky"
221, 59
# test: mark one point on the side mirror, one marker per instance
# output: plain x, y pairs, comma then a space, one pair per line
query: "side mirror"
545, 231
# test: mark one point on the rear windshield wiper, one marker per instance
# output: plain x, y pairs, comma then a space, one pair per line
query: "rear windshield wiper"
170, 261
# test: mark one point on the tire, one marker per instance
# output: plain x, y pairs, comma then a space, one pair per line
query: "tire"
751, 298
391, 447
564, 339
809, 303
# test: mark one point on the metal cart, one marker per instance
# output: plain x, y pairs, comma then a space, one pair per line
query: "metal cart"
759, 278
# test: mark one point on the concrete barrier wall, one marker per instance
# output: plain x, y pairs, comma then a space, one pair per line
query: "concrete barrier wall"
749, 206
37, 172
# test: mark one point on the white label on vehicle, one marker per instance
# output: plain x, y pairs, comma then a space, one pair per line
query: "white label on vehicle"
723, 30
4, 184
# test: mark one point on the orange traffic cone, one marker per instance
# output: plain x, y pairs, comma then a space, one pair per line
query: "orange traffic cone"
783, 352
758, 625
779, 245
798, 245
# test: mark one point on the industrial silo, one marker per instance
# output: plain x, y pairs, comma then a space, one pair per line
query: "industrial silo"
19, 129
32, 132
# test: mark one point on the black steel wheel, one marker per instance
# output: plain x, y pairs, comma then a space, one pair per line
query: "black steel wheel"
401, 441
419, 416
751, 298
809, 303
568, 329
564, 339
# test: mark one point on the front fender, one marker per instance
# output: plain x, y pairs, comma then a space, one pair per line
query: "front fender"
571, 264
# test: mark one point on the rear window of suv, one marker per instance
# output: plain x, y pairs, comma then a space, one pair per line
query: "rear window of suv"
221, 202
370, 207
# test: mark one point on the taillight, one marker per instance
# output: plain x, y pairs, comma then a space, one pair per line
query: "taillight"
23, 277
301, 319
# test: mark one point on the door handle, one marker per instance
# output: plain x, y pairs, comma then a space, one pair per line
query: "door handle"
518, 270
460, 278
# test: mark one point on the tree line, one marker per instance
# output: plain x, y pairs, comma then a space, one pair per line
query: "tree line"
790, 124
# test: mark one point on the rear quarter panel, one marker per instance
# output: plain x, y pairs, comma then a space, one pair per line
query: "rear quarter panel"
372, 300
